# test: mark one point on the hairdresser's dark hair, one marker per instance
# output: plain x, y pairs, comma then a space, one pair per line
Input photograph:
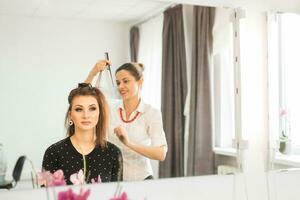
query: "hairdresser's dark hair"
85, 89
135, 69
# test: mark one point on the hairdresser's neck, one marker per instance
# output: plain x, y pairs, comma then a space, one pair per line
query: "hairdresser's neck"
131, 104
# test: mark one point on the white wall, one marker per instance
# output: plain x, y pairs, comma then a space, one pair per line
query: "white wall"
284, 184
41, 59
254, 102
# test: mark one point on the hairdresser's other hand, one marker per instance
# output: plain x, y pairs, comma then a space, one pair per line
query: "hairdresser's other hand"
122, 135
99, 67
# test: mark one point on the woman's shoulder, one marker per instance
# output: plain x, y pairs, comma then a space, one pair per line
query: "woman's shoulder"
60, 144
150, 110
113, 148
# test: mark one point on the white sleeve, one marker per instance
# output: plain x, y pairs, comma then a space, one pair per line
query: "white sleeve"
155, 128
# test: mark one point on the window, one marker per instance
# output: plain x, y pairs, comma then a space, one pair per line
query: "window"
284, 81
289, 43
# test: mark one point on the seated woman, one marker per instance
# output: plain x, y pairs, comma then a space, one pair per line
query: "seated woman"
86, 148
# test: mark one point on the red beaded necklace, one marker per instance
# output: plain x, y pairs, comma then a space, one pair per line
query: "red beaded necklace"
128, 121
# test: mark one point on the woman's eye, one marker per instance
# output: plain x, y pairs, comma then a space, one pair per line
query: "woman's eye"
78, 109
118, 83
93, 108
126, 81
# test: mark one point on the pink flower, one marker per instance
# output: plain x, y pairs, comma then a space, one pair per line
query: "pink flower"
70, 195
78, 178
97, 180
283, 112
123, 196
48, 179
58, 178
43, 178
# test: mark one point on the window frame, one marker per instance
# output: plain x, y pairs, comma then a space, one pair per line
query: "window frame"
238, 143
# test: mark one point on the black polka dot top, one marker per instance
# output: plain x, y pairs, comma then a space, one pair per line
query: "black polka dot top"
106, 162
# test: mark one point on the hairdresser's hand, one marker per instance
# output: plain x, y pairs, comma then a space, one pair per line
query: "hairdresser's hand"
122, 135
99, 67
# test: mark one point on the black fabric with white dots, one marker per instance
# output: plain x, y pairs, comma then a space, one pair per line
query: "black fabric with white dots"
106, 162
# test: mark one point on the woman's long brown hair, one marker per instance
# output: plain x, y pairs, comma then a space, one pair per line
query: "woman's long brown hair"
84, 89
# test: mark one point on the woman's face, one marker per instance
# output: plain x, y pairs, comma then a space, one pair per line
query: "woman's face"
127, 85
84, 112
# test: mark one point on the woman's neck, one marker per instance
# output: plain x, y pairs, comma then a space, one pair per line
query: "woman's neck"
131, 104
84, 141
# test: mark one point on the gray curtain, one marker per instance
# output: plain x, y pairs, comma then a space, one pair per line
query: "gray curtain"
134, 43
200, 153
174, 90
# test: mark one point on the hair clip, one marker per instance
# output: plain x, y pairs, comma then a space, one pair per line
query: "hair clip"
82, 85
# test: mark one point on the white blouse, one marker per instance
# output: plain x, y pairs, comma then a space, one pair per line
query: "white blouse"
146, 129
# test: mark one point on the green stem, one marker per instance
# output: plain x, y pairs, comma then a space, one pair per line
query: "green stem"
84, 166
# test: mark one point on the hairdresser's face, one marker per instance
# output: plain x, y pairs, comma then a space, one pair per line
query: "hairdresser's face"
84, 112
127, 85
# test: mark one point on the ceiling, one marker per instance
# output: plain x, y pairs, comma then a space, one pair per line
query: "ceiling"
132, 11
114, 10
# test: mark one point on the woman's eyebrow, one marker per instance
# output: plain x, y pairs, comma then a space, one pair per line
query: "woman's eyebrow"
78, 105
